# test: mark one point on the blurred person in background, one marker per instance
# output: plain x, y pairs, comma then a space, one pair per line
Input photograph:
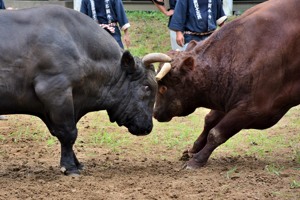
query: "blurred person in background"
2, 6
110, 15
160, 4
196, 20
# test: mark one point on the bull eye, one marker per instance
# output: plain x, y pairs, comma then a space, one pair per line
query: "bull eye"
162, 89
146, 88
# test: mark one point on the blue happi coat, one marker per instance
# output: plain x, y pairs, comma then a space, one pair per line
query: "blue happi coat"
107, 12
198, 16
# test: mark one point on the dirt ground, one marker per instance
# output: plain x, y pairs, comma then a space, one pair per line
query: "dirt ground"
29, 169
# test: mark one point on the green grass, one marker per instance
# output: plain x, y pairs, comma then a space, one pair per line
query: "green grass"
149, 32
274, 169
148, 37
231, 172
263, 143
295, 184
51, 141
34, 130
257, 142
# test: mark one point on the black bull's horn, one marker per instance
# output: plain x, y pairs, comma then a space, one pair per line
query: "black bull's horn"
158, 57
155, 57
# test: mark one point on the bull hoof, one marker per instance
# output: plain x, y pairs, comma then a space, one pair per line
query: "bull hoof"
80, 167
72, 172
193, 164
186, 155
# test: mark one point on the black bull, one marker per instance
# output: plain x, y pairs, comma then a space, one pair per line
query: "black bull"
247, 73
58, 64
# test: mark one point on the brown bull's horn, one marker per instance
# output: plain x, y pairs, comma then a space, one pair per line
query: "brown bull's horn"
155, 57
164, 70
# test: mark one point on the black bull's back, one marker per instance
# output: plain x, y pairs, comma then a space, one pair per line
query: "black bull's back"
45, 42
58, 64
247, 72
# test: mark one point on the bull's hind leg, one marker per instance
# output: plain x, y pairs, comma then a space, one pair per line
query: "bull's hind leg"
211, 120
56, 97
228, 126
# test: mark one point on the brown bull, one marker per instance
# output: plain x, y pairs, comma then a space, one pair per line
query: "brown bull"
247, 73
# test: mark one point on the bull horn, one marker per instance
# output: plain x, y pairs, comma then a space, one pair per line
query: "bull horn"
155, 57
164, 70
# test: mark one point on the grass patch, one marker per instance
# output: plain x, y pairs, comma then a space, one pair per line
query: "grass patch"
263, 143
295, 184
230, 172
148, 37
35, 130
51, 141
102, 132
274, 169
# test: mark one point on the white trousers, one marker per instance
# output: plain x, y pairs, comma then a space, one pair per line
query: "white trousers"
174, 44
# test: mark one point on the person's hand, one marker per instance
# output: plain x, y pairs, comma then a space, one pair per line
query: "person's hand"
170, 13
180, 38
127, 40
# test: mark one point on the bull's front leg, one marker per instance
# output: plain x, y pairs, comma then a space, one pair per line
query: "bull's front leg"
228, 126
66, 133
55, 94
211, 120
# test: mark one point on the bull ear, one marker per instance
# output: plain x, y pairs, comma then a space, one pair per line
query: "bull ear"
127, 62
188, 64
191, 45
